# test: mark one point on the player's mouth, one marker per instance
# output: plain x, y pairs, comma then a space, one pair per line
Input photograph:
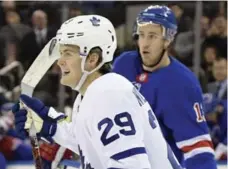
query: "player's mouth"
146, 52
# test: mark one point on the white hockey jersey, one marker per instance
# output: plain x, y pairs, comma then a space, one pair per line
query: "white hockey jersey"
113, 127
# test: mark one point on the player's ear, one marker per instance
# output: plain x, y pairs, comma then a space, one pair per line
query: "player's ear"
167, 43
91, 61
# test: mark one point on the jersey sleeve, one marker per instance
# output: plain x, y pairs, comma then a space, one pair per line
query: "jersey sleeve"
116, 131
65, 129
183, 114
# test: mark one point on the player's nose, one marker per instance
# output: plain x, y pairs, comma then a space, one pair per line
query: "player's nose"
145, 44
60, 62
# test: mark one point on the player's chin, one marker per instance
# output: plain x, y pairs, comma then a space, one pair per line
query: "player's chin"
65, 81
68, 81
147, 62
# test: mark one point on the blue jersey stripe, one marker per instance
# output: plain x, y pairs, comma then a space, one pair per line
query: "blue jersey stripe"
129, 153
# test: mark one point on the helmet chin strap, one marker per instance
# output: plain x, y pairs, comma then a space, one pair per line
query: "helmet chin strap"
159, 59
81, 81
85, 73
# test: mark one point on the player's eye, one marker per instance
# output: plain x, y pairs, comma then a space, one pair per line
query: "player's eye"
67, 54
152, 36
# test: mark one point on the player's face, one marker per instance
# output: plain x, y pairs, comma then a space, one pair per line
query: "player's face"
70, 65
151, 43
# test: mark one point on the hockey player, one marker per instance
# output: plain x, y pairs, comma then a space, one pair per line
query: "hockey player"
111, 119
171, 89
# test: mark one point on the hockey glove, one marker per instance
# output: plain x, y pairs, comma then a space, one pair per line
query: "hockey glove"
23, 120
45, 119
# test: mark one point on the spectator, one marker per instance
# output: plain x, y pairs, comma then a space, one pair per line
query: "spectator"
217, 34
184, 43
210, 53
219, 87
34, 41
218, 27
51, 8
14, 30
11, 35
5, 7
184, 21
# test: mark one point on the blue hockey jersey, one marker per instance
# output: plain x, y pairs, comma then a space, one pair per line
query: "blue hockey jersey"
175, 95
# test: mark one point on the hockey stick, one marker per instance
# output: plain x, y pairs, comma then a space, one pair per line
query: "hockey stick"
32, 77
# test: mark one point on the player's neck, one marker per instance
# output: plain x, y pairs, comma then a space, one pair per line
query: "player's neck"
163, 63
88, 81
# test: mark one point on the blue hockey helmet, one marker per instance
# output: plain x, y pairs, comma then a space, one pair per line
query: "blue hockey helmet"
161, 15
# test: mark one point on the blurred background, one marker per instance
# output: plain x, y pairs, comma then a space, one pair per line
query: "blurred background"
26, 26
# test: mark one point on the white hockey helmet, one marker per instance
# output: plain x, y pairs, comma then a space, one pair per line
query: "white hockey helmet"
88, 32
